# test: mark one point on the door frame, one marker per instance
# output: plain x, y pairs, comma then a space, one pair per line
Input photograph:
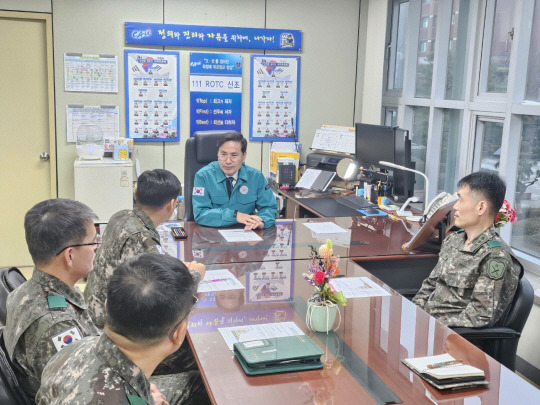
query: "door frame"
47, 19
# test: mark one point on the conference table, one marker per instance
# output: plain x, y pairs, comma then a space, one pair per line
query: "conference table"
362, 358
374, 241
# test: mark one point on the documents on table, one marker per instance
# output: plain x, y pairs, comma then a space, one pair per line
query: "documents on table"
324, 227
219, 280
444, 371
246, 333
239, 235
357, 287
314, 179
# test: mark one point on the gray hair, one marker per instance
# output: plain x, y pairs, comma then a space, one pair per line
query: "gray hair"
51, 225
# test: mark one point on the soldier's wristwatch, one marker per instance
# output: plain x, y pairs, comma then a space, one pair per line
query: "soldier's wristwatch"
235, 213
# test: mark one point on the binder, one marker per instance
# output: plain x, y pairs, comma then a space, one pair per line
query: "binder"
278, 355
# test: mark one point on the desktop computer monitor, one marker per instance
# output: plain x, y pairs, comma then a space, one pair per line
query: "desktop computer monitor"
403, 180
374, 143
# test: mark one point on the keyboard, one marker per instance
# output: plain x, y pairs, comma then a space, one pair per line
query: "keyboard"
354, 202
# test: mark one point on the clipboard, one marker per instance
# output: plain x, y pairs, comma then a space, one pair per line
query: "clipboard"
430, 226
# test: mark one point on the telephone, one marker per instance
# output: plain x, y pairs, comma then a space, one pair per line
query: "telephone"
440, 200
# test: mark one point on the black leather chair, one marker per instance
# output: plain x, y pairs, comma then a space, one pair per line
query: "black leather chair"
201, 149
10, 390
501, 340
10, 278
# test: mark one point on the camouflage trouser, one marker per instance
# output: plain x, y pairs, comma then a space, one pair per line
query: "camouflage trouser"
182, 388
180, 361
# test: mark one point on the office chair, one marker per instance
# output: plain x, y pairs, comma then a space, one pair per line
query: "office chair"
501, 340
10, 278
201, 149
10, 389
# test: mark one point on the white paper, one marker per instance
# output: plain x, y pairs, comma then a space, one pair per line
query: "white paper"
335, 139
219, 280
358, 287
246, 333
308, 178
105, 117
239, 235
421, 365
324, 227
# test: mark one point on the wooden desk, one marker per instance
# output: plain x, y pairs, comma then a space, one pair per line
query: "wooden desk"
362, 359
374, 239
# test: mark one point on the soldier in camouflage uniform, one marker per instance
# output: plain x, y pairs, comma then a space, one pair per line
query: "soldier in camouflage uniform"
131, 232
48, 312
152, 290
477, 275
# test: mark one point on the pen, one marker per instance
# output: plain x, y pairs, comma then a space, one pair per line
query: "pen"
444, 364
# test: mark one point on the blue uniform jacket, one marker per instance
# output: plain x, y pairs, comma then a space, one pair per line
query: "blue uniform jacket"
212, 205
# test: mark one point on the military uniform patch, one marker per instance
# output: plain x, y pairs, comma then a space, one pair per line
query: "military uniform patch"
198, 254
496, 269
136, 400
160, 249
65, 338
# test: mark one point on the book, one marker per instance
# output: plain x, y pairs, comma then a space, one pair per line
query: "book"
278, 355
445, 372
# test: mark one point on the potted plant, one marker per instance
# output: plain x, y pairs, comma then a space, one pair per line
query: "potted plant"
323, 305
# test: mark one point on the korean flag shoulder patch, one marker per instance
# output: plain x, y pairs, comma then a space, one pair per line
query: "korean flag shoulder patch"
65, 338
198, 191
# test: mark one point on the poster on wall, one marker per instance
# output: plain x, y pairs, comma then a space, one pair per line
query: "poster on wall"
152, 95
90, 73
275, 86
215, 91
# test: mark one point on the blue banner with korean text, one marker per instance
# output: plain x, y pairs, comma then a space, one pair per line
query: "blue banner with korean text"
138, 33
215, 91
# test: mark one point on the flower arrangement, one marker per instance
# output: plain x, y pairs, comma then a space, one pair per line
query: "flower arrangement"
506, 214
323, 267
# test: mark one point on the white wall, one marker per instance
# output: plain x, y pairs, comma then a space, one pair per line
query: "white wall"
327, 75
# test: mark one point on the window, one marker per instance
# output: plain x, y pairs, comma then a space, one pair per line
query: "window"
477, 105
450, 142
501, 37
424, 61
419, 144
526, 231
400, 12
487, 148
457, 51
425, 22
533, 78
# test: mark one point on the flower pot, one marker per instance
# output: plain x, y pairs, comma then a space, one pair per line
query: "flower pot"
320, 318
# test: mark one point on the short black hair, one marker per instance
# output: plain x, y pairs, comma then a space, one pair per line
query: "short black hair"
490, 186
157, 187
147, 296
53, 224
235, 137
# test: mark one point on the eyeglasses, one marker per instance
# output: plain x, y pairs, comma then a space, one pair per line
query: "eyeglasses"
96, 243
233, 156
195, 300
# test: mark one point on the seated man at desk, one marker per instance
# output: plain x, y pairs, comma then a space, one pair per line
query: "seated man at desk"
477, 275
228, 192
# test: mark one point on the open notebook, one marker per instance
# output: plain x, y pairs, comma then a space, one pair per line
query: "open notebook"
445, 372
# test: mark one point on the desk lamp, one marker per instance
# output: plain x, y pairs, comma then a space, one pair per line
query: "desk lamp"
426, 184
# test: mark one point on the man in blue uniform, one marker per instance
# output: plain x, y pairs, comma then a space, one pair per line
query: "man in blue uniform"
228, 192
